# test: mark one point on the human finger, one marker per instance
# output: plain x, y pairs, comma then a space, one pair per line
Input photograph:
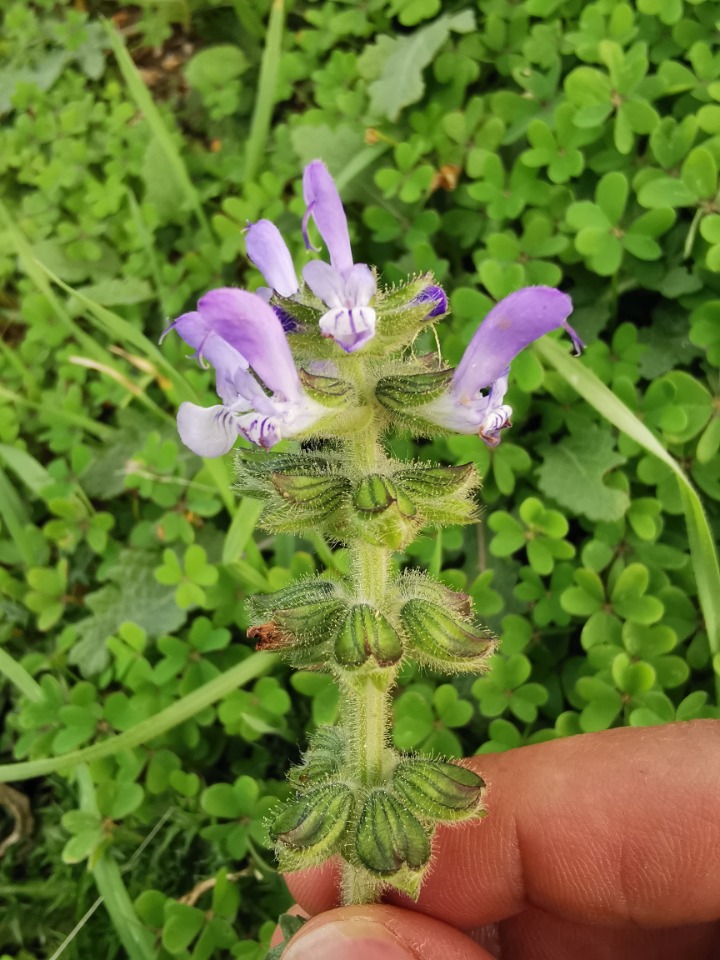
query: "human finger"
536, 935
380, 932
616, 827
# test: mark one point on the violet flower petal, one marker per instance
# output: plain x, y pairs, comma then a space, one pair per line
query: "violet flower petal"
511, 325
325, 282
210, 348
325, 207
360, 286
268, 251
436, 299
207, 431
252, 327
260, 430
349, 328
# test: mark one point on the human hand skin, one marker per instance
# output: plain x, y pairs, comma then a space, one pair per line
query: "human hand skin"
603, 846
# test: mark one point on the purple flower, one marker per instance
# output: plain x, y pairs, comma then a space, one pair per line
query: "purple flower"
474, 401
268, 251
345, 287
436, 299
236, 331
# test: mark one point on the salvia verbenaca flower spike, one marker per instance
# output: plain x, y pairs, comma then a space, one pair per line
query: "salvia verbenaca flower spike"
326, 359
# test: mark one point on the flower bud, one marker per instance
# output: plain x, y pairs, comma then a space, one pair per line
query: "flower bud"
442, 640
389, 837
316, 821
438, 790
405, 310
366, 633
434, 299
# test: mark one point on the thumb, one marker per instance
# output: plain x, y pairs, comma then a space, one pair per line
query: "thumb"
380, 932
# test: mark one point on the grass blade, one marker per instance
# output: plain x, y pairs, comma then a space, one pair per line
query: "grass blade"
702, 545
241, 529
267, 86
136, 938
109, 322
242, 673
15, 519
144, 102
38, 276
99, 430
120, 330
149, 246
17, 674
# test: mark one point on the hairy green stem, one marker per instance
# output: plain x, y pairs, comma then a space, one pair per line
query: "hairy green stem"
366, 697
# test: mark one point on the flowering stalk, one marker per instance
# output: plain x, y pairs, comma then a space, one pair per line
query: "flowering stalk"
327, 360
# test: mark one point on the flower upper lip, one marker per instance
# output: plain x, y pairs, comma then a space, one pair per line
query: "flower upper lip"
235, 331
269, 252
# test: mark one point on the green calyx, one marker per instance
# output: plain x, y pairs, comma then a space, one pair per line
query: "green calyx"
443, 640
314, 823
366, 635
330, 391
438, 790
383, 513
310, 491
310, 499
406, 397
325, 758
385, 831
400, 393
301, 616
389, 837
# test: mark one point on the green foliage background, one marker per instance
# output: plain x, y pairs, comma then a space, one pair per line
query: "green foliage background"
498, 144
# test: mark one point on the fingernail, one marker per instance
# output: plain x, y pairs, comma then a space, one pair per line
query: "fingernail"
348, 940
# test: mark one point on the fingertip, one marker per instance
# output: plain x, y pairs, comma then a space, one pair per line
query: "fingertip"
316, 889
380, 932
